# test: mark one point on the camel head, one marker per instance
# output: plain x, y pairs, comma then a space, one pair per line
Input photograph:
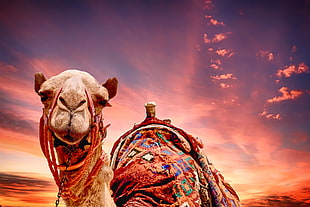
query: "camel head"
66, 98
72, 126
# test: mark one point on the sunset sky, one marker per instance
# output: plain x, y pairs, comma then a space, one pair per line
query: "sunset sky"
233, 73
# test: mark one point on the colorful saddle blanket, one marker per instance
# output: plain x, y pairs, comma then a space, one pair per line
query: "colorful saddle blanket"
157, 164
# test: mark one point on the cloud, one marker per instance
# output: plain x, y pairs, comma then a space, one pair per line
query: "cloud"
224, 85
12, 183
268, 115
286, 95
223, 76
263, 54
17, 90
288, 71
13, 123
206, 39
217, 37
225, 52
17, 141
27, 188
221, 36
276, 200
214, 21
216, 64
153, 62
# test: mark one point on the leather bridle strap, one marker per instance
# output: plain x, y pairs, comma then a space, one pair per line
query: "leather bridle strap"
46, 141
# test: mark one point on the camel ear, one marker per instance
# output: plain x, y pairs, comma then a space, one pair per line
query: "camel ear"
111, 85
38, 80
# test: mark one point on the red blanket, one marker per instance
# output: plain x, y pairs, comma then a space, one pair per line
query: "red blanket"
158, 164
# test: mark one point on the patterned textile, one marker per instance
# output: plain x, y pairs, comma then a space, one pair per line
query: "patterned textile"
158, 164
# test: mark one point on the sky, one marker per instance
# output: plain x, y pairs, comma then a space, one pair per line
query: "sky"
233, 73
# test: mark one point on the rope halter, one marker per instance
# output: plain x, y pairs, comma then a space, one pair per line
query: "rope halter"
97, 134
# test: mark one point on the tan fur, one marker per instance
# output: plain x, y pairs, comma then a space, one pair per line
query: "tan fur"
71, 122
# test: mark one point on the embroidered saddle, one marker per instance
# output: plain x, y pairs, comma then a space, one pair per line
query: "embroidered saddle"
158, 164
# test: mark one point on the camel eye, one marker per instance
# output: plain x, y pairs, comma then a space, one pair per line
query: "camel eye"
103, 102
44, 96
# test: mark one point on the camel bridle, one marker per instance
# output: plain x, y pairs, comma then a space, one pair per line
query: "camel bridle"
97, 132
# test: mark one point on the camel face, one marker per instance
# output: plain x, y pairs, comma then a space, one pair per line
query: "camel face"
67, 99
70, 119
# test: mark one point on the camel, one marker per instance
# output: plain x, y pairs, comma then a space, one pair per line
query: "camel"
153, 164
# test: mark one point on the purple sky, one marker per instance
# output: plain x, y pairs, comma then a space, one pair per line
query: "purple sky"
234, 73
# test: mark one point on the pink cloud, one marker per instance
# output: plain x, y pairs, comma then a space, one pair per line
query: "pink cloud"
224, 52
18, 141
224, 85
260, 167
268, 115
288, 71
20, 90
214, 21
216, 64
286, 95
217, 37
47, 67
223, 76
206, 39
250, 145
265, 54
221, 36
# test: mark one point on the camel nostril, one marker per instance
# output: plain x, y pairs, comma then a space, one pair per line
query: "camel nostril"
62, 100
71, 104
81, 103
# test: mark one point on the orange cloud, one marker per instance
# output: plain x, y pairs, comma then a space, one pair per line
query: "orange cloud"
223, 76
20, 89
224, 85
221, 36
18, 141
216, 64
286, 95
217, 37
292, 69
265, 54
214, 21
18, 189
224, 52
205, 39
270, 115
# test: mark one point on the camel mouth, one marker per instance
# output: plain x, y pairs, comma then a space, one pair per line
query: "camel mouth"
68, 140
72, 140
65, 150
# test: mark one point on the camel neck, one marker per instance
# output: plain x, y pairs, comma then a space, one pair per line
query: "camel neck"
97, 193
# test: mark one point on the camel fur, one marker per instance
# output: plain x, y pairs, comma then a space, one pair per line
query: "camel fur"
70, 124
